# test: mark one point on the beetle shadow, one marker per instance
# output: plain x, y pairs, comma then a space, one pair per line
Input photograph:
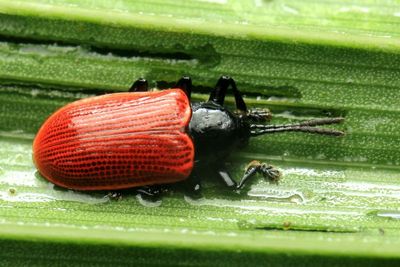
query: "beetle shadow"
212, 186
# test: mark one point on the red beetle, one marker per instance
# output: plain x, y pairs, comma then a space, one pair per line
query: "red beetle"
144, 139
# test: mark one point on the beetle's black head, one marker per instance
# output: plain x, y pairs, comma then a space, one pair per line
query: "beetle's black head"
216, 131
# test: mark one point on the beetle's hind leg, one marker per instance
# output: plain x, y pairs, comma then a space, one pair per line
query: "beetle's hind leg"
185, 84
140, 85
268, 171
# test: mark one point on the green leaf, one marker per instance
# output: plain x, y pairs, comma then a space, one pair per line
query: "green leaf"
338, 201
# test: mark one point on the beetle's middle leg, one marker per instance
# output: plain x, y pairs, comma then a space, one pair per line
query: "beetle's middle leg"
151, 192
268, 171
192, 184
185, 84
218, 93
114, 195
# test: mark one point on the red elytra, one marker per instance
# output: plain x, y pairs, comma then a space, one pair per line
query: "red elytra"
117, 141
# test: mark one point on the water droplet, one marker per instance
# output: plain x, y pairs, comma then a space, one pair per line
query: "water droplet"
34, 92
245, 225
388, 214
194, 201
19, 158
148, 203
278, 195
296, 198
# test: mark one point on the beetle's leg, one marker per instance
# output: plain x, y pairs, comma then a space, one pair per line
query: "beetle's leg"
218, 93
254, 167
151, 192
226, 178
193, 185
114, 195
140, 85
185, 83
259, 114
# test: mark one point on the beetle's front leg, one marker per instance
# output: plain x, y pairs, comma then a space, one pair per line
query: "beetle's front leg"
226, 178
217, 95
268, 171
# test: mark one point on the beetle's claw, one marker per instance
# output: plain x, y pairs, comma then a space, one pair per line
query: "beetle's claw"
259, 114
270, 172
115, 195
151, 193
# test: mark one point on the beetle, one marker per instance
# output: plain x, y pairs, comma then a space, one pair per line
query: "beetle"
143, 139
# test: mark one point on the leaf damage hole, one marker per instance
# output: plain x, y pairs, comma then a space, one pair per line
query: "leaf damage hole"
265, 92
300, 112
283, 92
284, 101
205, 54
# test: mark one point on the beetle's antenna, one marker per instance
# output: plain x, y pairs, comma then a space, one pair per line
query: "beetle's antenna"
305, 126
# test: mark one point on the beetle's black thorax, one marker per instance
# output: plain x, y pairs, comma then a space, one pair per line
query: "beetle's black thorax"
216, 131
